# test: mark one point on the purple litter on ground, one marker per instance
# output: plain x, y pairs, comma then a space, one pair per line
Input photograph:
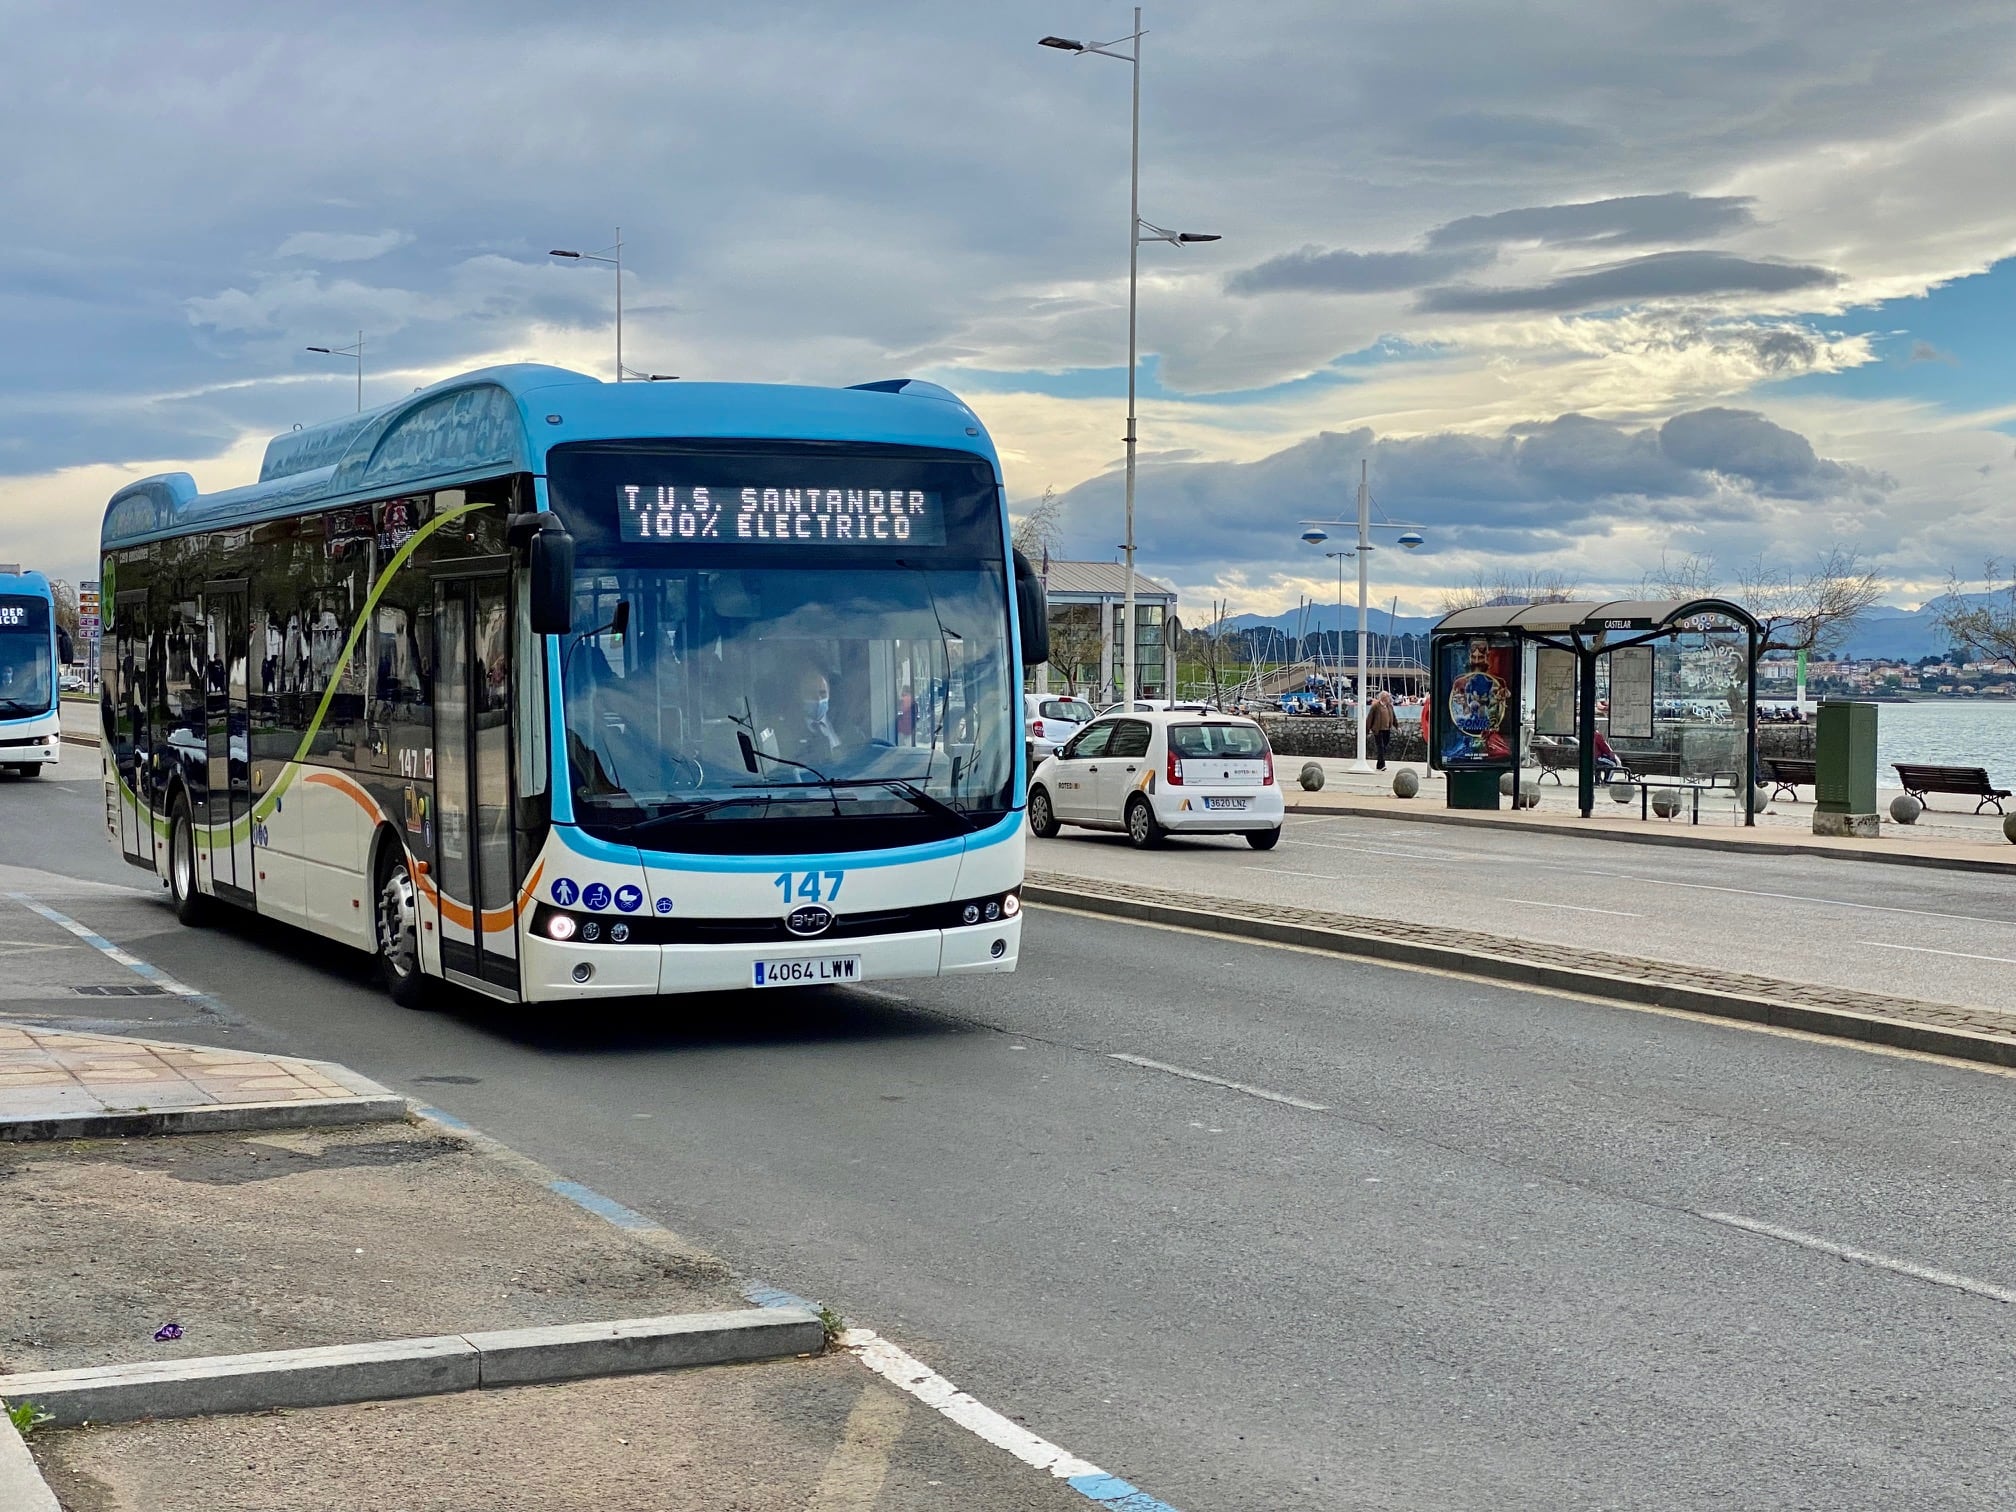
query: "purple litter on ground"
167, 1332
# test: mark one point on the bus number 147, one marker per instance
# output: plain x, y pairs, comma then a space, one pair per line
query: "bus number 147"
807, 886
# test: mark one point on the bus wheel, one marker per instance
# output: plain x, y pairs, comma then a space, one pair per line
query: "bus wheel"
398, 932
1042, 820
191, 907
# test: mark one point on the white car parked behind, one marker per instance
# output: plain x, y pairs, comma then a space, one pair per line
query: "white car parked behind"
1162, 772
1049, 720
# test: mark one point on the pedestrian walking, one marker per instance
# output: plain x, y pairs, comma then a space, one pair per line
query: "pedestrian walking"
1380, 723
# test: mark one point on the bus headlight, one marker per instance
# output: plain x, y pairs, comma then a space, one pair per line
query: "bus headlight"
993, 910
591, 931
560, 927
970, 913
1010, 906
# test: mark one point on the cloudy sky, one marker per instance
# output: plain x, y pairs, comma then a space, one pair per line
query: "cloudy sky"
1583, 283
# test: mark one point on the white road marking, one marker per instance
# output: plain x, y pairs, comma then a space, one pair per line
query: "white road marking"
877, 992
934, 1391
1965, 955
1615, 913
1219, 1081
1567, 994
1282, 871
1751, 892
1864, 1257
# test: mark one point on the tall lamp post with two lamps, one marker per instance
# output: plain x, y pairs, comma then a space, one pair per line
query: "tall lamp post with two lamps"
356, 351
1315, 534
1138, 231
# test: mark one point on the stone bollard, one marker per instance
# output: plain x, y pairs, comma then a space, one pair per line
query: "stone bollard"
1666, 803
2009, 829
1405, 783
1622, 792
1905, 809
1312, 777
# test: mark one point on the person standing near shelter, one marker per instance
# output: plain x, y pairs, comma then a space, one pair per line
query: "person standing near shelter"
1380, 723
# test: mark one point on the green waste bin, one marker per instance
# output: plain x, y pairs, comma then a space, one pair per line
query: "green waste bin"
1473, 790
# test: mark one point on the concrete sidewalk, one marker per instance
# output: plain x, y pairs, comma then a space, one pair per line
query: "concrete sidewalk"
1941, 838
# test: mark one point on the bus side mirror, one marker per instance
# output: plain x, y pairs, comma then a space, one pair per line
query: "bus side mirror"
66, 652
550, 556
1033, 608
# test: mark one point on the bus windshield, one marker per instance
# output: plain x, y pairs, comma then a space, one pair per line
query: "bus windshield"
778, 685
27, 669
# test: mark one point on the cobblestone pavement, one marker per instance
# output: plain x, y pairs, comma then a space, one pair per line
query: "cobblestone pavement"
1476, 944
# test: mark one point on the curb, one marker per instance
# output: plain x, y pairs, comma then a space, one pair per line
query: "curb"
210, 1118
1659, 837
1835, 1023
22, 1488
334, 1374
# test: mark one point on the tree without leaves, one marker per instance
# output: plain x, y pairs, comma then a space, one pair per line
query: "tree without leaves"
1535, 588
1037, 532
1985, 624
66, 606
1795, 611
1074, 641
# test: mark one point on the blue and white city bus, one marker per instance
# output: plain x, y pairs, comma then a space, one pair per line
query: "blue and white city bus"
559, 689
32, 650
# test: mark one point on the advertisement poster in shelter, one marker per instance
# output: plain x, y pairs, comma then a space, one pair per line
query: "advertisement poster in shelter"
1554, 691
1631, 693
1477, 718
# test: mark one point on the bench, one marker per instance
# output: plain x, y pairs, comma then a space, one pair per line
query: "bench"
1555, 757
1966, 782
1789, 773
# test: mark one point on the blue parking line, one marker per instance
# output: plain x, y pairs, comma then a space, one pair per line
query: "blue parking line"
143, 969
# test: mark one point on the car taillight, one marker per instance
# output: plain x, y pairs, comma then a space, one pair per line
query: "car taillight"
1039, 729
1175, 768
1268, 780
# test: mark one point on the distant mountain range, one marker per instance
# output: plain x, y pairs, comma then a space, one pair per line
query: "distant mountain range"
1885, 632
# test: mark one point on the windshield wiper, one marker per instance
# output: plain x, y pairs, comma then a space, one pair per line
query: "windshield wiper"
22, 706
693, 810
930, 803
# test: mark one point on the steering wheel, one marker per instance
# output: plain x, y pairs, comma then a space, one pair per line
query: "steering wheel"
684, 771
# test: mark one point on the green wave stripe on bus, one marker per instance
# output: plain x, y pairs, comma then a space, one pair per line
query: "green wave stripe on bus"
292, 769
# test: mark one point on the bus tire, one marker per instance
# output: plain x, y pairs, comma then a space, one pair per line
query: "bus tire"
1042, 818
395, 917
191, 907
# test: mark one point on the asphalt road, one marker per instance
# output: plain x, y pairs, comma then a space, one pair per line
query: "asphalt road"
1946, 936
1442, 1247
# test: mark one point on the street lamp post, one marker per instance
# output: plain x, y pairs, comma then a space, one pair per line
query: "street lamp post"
1136, 227
1316, 535
616, 262
356, 351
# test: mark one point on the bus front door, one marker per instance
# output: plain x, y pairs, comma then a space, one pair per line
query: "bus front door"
473, 869
228, 738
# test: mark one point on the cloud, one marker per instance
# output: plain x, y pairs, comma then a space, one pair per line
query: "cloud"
1633, 218
1743, 444
1313, 270
1560, 487
1925, 351
1662, 275
343, 246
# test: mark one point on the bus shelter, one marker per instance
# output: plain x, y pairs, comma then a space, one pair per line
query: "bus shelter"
1673, 680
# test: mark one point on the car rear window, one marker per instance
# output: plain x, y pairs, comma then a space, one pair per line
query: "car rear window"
1064, 708
1217, 740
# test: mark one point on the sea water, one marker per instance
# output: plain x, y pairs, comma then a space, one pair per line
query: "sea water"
1948, 732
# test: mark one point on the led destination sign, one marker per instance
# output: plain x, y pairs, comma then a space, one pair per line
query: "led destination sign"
713, 513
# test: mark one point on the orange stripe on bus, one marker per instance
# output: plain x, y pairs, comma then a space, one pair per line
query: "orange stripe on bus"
460, 914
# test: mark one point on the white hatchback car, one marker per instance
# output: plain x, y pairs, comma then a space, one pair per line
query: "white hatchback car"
1162, 772
1048, 720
